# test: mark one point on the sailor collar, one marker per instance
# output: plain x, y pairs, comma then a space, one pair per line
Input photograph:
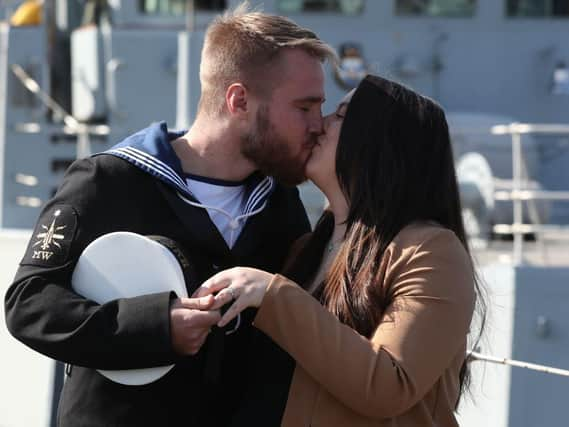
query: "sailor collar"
151, 151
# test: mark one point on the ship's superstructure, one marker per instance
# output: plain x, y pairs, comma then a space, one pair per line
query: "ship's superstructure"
94, 71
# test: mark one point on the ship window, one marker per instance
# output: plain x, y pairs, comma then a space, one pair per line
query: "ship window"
538, 8
347, 7
178, 7
444, 8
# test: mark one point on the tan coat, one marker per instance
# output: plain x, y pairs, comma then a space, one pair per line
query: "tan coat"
408, 373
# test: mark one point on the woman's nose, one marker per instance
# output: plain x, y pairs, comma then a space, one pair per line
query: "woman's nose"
326, 121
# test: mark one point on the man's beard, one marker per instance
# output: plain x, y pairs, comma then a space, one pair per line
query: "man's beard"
269, 151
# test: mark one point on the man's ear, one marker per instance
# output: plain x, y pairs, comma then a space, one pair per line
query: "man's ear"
236, 99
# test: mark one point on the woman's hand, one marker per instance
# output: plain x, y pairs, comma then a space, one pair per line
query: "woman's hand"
247, 286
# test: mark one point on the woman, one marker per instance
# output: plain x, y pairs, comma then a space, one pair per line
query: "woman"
384, 341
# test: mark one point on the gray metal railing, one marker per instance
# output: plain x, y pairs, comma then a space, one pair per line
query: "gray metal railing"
518, 195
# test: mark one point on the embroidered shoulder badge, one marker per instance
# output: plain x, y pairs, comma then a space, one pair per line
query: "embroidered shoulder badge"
51, 241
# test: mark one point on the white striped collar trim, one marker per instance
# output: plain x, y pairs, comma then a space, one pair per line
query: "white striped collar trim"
260, 192
151, 164
255, 203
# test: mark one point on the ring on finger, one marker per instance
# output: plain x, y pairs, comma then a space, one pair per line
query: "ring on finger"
232, 292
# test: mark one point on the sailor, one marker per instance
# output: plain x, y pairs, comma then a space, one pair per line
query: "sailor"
223, 190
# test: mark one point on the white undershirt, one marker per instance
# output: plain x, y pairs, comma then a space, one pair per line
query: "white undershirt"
229, 203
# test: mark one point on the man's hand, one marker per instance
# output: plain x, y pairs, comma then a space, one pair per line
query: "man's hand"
190, 323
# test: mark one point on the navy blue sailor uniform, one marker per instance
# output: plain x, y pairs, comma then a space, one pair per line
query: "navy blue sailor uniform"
138, 186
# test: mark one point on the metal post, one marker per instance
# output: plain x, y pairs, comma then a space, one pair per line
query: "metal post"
517, 202
83, 142
190, 16
184, 106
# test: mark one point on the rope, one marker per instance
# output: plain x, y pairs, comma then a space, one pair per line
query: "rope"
473, 355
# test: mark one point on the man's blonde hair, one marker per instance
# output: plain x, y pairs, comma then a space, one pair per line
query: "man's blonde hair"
242, 45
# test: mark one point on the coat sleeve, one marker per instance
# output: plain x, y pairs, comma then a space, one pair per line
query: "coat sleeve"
43, 312
421, 331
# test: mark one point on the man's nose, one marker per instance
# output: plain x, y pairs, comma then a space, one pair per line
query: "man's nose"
317, 125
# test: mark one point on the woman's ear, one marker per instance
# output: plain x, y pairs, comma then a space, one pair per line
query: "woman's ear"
236, 99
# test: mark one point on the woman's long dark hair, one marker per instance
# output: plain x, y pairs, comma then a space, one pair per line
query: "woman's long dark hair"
395, 165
